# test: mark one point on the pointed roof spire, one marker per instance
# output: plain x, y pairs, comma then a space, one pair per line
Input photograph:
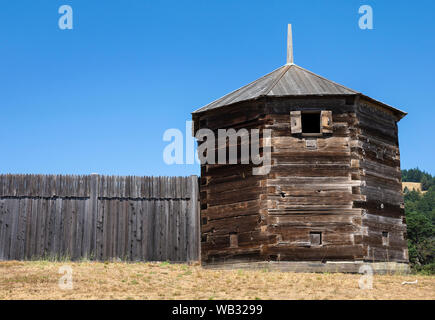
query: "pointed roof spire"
289, 45
290, 80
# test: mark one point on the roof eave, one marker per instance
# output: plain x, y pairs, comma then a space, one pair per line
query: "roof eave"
200, 112
399, 113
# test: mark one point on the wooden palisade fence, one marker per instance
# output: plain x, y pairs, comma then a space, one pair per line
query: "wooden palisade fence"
99, 218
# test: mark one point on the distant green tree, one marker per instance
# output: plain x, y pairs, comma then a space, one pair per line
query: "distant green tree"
421, 240
419, 227
412, 196
420, 219
425, 182
412, 175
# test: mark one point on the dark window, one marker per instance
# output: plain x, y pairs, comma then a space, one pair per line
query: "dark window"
273, 257
310, 122
350, 100
385, 241
316, 238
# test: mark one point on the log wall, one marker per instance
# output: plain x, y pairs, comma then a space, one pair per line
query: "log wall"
377, 149
231, 196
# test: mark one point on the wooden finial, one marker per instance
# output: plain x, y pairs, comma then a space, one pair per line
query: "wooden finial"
289, 45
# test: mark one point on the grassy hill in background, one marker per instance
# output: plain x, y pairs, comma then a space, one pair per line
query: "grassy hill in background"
420, 218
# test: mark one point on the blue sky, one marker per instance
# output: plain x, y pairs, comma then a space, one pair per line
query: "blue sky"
99, 97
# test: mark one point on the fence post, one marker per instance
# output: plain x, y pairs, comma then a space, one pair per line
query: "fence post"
90, 221
198, 216
194, 237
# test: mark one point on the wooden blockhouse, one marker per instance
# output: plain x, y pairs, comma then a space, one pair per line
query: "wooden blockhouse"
332, 199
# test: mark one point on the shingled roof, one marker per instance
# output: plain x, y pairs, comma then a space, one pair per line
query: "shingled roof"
288, 80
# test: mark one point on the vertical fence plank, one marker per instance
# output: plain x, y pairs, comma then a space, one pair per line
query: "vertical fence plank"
8, 229
106, 224
195, 228
139, 231
30, 229
39, 225
152, 230
126, 232
99, 231
90, 216
182, 230
146, 205
14, 229
3, 223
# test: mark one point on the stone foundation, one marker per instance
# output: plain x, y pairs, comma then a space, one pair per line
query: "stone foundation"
314, 266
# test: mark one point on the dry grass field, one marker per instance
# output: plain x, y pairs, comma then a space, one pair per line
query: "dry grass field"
96, 280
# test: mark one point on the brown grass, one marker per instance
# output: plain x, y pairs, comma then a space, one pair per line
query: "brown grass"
96, 280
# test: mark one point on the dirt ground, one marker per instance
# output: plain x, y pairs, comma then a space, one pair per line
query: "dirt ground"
117, 280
